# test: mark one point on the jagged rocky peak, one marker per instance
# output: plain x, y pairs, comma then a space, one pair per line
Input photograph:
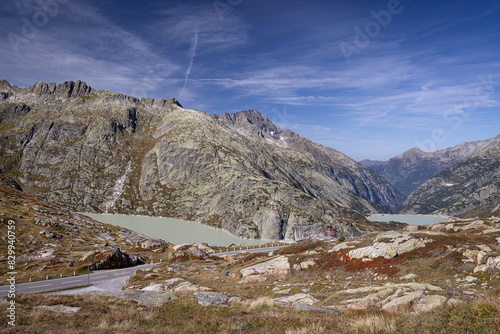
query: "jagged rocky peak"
251, 116
41, 87
72, 90
170, 102
5, 84
66, 90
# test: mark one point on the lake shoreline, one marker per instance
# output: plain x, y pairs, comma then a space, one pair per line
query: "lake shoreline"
243, 241
408, 215
410, 219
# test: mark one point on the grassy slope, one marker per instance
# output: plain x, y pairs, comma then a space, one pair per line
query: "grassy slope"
440, 263
75, 235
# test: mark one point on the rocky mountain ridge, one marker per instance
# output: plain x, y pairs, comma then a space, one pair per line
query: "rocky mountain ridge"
97, 151
465, 186
407, 171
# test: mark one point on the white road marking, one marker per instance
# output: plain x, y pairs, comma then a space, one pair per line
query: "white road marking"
38, 286
66, 282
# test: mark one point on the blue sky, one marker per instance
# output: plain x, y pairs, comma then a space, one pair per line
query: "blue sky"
369, 78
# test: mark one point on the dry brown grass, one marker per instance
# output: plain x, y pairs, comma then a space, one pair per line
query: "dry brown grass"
373, 323
312, 329
253, 304
259, 315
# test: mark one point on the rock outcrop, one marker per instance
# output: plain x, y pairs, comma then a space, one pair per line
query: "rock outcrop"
113, 260
60, 308
78, 146
143, 298
211, 298
391, 244
275, 268
394, 298
176, 285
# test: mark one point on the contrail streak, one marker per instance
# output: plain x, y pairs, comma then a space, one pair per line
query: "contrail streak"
191, 56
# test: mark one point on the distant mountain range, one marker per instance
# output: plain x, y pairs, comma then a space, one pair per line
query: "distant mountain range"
408, 171
467, 185
450, 181
97, 151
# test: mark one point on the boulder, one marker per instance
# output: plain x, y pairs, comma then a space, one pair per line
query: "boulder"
59, 308
400, 303
103, 236
493, 262
197, 253
235, 300
211, 298
252, 279
190, 287
427, 303
151, 243
393, 298
283, 292
277, 267
474, 225
344, 245
302, 298
355, 305
144, 298
176, 285
481, 268
307, 264
471, 279
306, 307
112, 260
408, 277
389, 245
199, 245
475, 256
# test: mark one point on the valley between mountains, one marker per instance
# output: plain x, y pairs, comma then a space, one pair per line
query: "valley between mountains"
68, 148
97, 151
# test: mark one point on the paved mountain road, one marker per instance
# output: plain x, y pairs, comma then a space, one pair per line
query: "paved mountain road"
101, 275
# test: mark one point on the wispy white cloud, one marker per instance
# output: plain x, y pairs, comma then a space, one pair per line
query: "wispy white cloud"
103, 54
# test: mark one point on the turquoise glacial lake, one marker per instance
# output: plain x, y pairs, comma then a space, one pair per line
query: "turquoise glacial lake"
409, 219
173, 230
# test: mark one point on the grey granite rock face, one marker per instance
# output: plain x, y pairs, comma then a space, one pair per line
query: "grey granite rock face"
95, 151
